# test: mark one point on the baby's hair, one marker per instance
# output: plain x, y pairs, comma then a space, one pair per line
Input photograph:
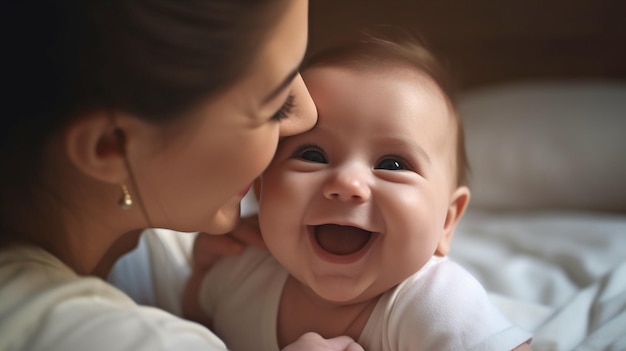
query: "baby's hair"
383, 47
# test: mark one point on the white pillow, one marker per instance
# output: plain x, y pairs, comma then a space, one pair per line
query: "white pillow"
547, 144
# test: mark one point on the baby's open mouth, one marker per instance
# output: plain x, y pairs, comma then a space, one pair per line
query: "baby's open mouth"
341, 240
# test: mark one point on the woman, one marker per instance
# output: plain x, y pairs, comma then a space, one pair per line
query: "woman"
122, 115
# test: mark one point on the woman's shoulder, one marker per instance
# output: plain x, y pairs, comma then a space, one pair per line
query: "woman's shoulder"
64, 311
28, 271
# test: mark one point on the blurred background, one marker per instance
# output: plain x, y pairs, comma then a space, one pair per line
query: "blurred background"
541, 86
542, 93
488, 41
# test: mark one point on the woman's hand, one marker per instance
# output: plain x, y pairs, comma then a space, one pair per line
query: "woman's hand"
315, 342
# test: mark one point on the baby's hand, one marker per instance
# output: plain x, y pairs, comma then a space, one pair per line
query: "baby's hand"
209, 248
315, 342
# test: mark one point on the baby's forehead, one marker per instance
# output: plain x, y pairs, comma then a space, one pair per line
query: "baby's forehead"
404, 61
390, 89
380, 71
414, 81
362, 79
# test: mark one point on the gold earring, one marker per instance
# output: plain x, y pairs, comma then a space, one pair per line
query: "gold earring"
126, 201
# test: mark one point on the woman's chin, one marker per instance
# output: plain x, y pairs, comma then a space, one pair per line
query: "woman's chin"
225, 219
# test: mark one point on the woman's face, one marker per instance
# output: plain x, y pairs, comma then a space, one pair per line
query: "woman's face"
193, 178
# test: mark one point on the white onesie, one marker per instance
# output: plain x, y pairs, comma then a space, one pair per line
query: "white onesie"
441, 307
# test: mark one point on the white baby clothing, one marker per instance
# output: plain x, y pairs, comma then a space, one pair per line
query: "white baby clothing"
441, 307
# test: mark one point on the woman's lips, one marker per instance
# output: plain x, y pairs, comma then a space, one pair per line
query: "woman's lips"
244, 191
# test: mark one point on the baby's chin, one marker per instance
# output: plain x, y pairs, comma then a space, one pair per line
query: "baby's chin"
343, 297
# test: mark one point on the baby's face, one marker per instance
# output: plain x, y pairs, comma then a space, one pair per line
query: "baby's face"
359, 203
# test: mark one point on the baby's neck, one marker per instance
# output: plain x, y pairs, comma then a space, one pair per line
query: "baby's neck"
301, 311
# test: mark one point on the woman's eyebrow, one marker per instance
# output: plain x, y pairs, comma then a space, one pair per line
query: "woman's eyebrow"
285, 83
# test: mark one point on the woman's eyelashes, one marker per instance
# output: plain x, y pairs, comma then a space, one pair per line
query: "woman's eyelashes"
285, 109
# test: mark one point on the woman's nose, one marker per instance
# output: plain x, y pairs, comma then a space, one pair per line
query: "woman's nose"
347, 185
303, 115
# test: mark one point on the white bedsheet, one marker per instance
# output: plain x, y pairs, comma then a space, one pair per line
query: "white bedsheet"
561, 275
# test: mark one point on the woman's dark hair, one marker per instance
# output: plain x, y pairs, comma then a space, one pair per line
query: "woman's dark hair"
153, 58
384, 46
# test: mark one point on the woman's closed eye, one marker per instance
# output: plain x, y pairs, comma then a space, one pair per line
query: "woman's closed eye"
285, 109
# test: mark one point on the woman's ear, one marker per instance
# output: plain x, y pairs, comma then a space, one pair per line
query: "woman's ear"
458, 204
96, 146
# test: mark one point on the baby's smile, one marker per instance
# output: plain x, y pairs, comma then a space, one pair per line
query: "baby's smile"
341, 240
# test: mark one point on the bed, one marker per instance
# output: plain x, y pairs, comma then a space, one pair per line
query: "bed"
546, 228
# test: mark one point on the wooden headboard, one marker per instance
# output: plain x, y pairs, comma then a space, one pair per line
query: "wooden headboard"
489, 41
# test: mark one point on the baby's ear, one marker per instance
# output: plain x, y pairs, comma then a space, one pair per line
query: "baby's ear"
458, 204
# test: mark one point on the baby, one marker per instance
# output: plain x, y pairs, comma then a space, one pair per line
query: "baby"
358, 216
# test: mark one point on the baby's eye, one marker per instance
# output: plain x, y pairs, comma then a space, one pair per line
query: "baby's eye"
391, 164
312, 155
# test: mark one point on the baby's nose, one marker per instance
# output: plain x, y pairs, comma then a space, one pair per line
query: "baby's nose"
347, 185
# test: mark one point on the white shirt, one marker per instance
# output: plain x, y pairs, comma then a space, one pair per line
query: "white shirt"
156, 271
44, 305
441, 307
